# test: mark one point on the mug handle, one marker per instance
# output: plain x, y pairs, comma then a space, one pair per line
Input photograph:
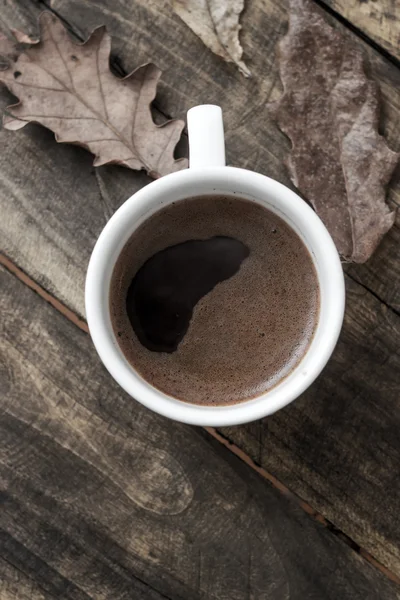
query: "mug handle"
206, 136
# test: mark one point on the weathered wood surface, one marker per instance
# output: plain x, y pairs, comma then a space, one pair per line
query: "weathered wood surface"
16, 585
54, 206
378, 19
381, 274
103, 499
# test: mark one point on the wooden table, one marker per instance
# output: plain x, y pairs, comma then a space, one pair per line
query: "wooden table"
103, 499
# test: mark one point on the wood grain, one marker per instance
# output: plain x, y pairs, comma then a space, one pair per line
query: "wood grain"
339, 437
103, 499
16, 585
378, 19
381, 274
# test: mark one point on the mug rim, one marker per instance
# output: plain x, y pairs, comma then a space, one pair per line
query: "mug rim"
295, 212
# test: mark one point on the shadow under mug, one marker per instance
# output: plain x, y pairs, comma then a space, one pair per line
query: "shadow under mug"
208, 175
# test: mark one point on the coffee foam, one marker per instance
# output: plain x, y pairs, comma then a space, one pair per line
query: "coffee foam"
246, 334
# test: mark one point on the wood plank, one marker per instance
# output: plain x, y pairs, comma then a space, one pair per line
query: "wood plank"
21, 16
54, 206
192, 74
104, 499
378, 19
18, 586
381, 274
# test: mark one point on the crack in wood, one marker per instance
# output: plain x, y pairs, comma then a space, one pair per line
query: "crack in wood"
358, 32
374, 294
304, 505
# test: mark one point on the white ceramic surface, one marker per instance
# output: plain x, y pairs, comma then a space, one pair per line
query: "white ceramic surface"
207, 175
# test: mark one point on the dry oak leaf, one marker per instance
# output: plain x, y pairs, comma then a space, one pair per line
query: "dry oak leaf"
70, 89
216, 22
330, 112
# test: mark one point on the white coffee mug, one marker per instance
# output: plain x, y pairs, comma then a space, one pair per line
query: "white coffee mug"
208, 175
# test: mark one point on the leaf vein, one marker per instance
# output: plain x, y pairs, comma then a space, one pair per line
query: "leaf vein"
62, 58
100, 82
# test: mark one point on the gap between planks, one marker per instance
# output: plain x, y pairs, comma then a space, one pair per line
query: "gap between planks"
358, 32
374, 294
12, 268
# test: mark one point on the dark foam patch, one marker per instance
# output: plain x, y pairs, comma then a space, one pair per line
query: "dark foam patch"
163, 293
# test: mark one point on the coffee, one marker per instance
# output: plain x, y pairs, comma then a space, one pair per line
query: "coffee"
214, 300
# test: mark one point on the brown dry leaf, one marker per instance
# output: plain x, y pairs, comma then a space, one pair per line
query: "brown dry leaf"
70, 89
330, 112
216, 22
